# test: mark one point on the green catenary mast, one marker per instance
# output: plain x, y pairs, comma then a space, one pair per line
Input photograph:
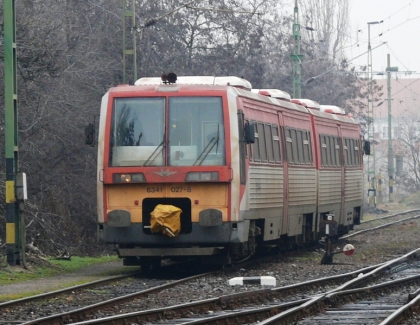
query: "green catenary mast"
296, 56
129, 38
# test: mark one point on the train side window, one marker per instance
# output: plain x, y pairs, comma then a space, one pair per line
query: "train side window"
323, 147
299, 143
332, 153
269, 141
276, 144
353, 162
294, 146
306, 148
330, 157
256, 147
289, 143
337, 152
356, 152
261, 136
346, 153
359, 152
350, 152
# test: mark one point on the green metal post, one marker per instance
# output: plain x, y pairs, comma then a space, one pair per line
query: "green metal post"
129, 38
11, 133
296, 56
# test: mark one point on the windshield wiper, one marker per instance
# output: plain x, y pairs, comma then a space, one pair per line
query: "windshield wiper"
155, 153
213, 142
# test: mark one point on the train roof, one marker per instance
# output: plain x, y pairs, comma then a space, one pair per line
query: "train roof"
242, 87
332, 109
275, 93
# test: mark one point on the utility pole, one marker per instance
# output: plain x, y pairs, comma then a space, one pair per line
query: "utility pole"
129, 38
296, 56
13, 221
390, 69
371, 127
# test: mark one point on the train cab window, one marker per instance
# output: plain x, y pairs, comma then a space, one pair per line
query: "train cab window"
134, 140
196, 131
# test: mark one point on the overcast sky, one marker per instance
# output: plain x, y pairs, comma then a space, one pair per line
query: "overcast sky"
400, 30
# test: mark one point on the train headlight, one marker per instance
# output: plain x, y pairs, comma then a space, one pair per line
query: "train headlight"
128, 178
202, 177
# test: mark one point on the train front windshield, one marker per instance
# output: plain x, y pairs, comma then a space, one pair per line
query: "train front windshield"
195, 132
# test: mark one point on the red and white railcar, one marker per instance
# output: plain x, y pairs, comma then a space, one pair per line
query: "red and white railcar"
243, 168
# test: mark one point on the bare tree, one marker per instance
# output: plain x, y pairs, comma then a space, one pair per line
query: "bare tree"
326, 23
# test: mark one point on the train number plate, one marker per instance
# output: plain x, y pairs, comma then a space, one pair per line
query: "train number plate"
180, 189
153, 189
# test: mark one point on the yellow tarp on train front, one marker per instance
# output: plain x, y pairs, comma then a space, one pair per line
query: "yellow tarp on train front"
166, 219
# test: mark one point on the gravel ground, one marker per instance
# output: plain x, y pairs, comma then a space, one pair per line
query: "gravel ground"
380, 246
375, 248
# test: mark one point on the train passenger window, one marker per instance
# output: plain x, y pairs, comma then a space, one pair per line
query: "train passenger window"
307, 147
352, 155
346, 153
134, 140
269, 142
323, 150
256, 147
353, 162
330, 151
276, 144
289, 145
261, 136
337, 152
299, 144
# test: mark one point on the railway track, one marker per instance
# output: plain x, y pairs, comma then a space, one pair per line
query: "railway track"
283, 305
381, 222
241, 304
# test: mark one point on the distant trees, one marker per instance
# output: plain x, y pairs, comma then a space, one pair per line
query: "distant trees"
70, 53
